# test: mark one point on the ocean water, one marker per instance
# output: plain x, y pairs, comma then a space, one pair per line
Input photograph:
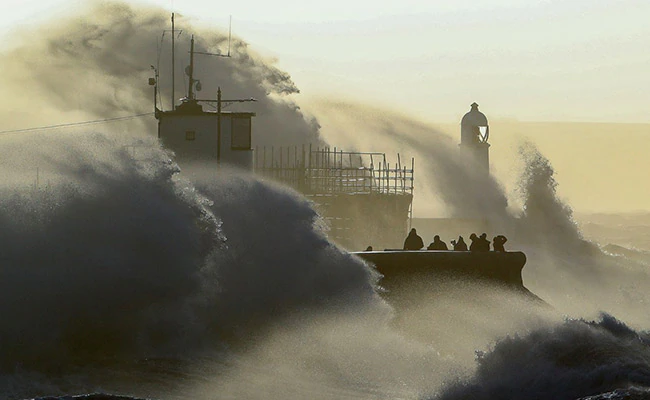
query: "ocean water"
122, 275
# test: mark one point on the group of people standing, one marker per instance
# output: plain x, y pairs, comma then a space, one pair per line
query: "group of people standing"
479, 243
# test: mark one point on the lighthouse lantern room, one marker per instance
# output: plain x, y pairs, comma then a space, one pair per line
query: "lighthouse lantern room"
474, 134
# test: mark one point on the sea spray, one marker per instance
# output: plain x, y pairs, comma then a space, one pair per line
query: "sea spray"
570, 273
575, 359
95, 64
545, 219
130, 273
276, 259
332, 356
445, 186
106, 263
116, 261
119, 260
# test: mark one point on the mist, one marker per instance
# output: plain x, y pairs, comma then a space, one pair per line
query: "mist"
96, 64
228, 284
570, 272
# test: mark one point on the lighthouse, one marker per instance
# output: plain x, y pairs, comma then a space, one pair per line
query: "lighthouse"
474, 146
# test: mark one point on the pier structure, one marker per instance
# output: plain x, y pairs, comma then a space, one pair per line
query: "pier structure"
364, 199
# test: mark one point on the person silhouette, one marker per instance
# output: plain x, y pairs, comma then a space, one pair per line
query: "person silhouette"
498, 243
460, 245
413, 241
476, 244
437, 244
484, 244
369, 248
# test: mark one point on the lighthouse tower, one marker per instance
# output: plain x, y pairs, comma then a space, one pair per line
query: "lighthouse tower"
474, 133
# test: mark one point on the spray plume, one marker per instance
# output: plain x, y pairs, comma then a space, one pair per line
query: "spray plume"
113, 258
542, 209
562, 267
569, 361
96, 64
447, 182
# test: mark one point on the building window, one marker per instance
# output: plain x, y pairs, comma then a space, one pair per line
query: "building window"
190, 135
241, 133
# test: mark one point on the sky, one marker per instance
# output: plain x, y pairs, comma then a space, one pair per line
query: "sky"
529, 60
526, 61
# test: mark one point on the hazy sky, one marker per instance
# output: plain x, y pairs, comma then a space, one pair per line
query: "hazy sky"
540, 60
565, 60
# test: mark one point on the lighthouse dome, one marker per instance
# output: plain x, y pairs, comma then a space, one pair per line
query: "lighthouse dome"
474, 117
474, 127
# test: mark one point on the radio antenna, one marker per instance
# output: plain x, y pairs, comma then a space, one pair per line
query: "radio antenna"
229, 34
173, 65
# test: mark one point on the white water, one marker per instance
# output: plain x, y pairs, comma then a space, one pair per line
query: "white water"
119, 275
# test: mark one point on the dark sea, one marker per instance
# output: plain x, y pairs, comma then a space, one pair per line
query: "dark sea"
121, 276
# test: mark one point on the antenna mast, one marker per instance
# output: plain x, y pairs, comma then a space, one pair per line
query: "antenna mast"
190, 94
229, 34
173, 65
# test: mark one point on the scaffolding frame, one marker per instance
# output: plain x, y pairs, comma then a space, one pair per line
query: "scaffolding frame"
362, 197
331, 171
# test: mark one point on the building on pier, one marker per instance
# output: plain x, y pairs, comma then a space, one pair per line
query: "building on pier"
363, 198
